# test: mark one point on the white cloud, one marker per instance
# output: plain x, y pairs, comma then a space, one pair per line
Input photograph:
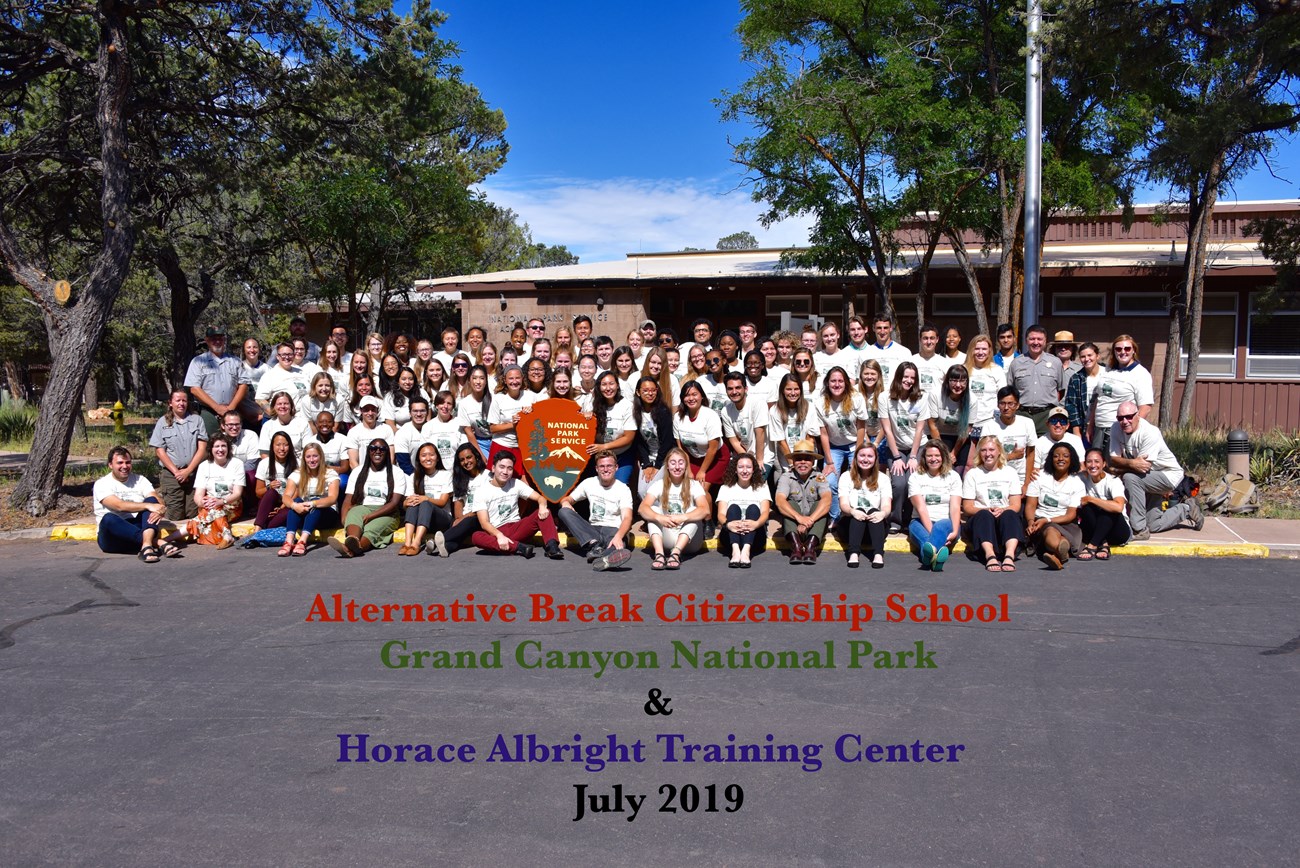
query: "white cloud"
601, 220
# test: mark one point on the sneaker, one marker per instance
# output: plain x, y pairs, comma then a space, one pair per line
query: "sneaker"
1194, 514
1139, 535
436, 545
940, 558
614, 558
552, 550
928, 552
595, 551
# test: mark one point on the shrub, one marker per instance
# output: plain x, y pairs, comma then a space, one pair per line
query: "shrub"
17, 422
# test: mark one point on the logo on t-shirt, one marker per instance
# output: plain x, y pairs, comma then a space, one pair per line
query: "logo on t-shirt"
933, 500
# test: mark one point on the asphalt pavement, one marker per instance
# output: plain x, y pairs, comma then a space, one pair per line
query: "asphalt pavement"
1141, 711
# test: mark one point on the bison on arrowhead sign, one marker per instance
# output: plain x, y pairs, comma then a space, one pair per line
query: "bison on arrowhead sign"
553, 440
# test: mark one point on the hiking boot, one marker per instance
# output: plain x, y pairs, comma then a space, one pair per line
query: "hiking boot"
594, 551
1194, 514
1140, 535
613, 558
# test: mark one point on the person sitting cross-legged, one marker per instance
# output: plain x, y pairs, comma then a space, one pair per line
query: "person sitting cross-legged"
603, 535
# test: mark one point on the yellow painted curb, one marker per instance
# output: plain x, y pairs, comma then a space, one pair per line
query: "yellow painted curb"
895, 544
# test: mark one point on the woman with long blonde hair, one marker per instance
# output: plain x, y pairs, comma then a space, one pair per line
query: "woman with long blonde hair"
676, 506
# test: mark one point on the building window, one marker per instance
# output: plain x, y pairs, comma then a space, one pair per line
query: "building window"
1273, 341
1218, 359
953, 305
798, 307
832, 306
1078, 304
1141, 304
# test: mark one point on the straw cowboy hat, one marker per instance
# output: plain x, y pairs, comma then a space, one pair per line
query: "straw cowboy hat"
805, 448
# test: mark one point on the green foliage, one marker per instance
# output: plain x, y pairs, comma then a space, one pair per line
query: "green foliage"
738, 241
1279, 240
17, 422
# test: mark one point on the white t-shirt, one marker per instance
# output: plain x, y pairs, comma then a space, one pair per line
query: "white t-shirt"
931, 371
503, 409
991, 489
715, 392
861, 497
675, 504
618, 421
447, 437
277, 379
936, 491
1019, 434
336, 450
1055, 496
1117, 386
1107, 488
742, 423
735, 495
219, 481
134, 490
297, 429
500, 504
360, 437
264, 472
696, 434
309, 408
606, 504
390, 412
905, 417
764, 391
790, 431
889, 359
945, 412
247, 449
840, 423
984, 386
1147, 442
312, 488
1044, 443
469, 414
434, 486
376, 492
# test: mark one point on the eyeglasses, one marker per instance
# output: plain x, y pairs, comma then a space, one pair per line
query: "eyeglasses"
1124, 417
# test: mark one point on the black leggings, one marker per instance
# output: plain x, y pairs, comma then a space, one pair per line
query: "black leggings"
1100, 526
998, 531
874, 531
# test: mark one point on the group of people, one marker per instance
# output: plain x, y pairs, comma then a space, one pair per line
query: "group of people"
1014, 448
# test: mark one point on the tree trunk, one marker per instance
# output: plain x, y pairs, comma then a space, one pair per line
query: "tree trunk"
182, 322
75, 332
1195, 282
972, 282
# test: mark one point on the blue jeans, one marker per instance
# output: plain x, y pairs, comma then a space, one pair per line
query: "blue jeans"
937, 536
123, 536
325, 517
836, 461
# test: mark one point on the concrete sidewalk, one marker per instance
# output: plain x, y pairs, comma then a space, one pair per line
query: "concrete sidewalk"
1221, 537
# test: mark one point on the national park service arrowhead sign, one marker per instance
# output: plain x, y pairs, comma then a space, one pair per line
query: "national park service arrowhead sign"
553, 439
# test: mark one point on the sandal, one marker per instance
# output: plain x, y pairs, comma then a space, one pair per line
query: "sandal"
285, 550
300, 548
674, 561
1008, 564
659, 562
1087, 553
992, 564
170, 550
148, 554
1103, 553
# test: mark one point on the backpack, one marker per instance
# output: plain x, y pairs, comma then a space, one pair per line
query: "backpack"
1234, 494
1188, 488
267, 537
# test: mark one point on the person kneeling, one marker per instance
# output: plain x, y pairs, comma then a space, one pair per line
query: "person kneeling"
804, 501
502, 529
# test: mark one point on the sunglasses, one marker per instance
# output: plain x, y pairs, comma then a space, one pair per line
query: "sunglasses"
1123, 349
1058, 421
537, 328
1124, 417
378, 448
460, 366
802, 363
713, 362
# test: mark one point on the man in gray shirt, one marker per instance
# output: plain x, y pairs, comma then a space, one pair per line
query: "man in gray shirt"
216, 381
1038, 378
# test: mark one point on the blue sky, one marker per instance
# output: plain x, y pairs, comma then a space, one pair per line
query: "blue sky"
615, 144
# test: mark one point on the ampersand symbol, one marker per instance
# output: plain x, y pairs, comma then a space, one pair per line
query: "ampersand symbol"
658, 703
